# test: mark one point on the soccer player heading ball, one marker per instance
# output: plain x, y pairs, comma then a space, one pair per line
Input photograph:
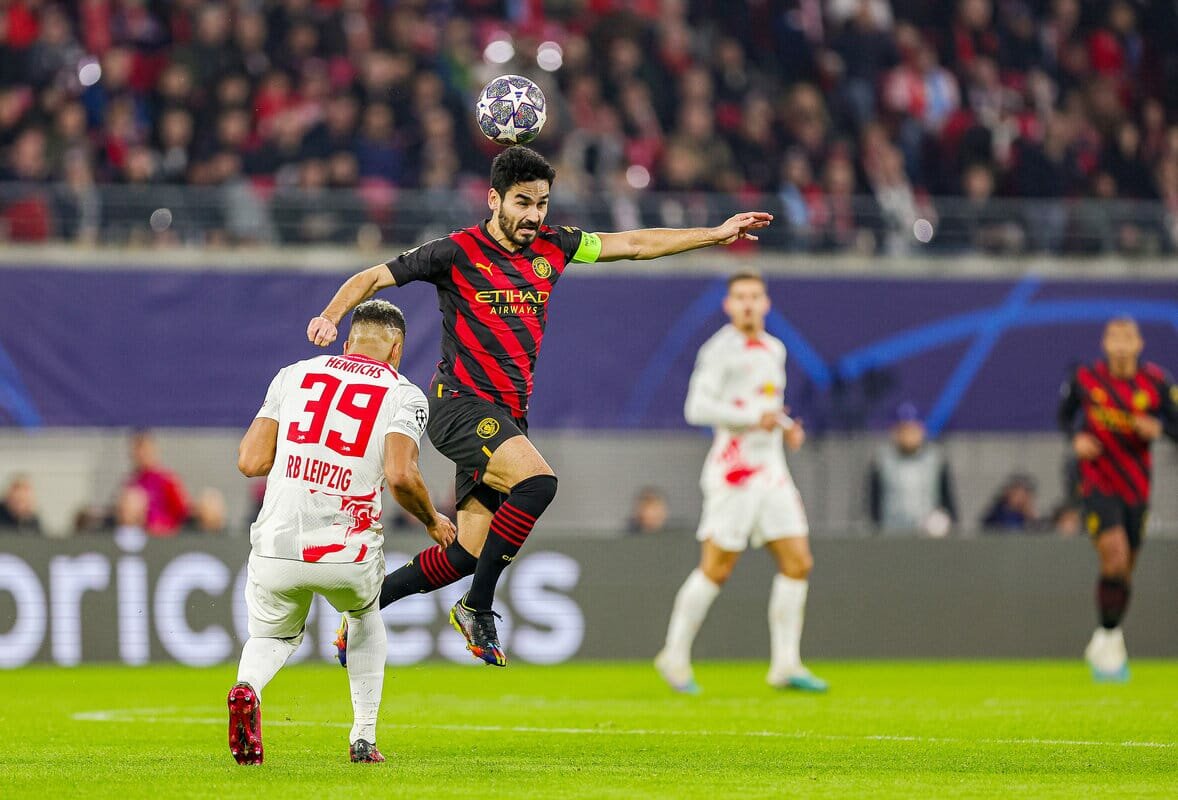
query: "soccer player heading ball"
494, 282
738, 389
1123, 407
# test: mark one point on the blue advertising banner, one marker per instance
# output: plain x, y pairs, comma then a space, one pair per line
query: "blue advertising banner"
198, 348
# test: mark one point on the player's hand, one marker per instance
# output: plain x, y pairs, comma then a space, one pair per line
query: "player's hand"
795, 436
1086, 446
740, 225
442, 531
769, 421
321, 331
1147, 427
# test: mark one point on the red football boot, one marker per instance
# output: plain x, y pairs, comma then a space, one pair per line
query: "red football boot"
245, 724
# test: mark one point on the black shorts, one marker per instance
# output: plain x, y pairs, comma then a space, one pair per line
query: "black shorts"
467, 429
1104, 511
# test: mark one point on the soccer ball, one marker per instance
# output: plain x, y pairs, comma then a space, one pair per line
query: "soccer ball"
511, 110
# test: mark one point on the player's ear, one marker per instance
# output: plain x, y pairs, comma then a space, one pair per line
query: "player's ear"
396, 351
347, 345
493, 199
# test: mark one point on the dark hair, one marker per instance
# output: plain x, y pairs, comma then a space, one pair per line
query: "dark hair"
379, 312
519, 164
1122, 319
745, 275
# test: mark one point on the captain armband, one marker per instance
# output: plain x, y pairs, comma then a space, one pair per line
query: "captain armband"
589, 250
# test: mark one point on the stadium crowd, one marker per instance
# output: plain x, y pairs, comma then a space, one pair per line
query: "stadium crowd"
852, 119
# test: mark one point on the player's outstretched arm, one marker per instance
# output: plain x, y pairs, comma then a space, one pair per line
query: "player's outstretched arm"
409, 489
323, 329
255, 454
650, 243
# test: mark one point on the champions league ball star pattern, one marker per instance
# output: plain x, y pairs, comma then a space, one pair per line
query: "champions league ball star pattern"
511, 110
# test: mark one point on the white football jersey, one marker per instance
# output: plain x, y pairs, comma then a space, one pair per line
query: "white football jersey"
735, 381
323, 495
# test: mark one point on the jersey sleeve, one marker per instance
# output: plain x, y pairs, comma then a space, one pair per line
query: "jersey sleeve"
273, 401
1069, 404
423, 263
411, 414
579, 247
705, 404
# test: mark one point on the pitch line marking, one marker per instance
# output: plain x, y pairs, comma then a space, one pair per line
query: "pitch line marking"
133, 715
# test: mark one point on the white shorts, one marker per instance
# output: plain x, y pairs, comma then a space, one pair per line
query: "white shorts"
734, 518
279, 591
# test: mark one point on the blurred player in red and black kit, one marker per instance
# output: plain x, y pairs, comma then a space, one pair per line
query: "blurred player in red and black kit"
494, 281
1113, 410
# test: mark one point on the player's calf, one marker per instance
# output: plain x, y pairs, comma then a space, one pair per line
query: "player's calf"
510, 528
431, 569
245, 724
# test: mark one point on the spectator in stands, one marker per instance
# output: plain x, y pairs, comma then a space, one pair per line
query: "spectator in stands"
27, 217
1049, 171
899, 205
801, 200
69, 134
1013, 509
18, 509
130, 513
650, 513
1050, 96
166, 502
976, 222
77, 202
377, 148
93, 518
175, 145
1122, 160
209, 514
310, 212
866, 51
910, 486
923, 92
842, 221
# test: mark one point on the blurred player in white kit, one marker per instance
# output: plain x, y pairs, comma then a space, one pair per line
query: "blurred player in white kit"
738, 388
331, 432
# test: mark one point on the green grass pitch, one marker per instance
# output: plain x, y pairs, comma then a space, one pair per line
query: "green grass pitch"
1001, 729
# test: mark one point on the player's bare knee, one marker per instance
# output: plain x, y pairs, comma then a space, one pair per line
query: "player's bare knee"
717, 573
1115, 556
472, 543
1115, 565
798, 567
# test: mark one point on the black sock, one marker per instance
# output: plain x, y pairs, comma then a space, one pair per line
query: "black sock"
509, 529
1112, 598
430, 569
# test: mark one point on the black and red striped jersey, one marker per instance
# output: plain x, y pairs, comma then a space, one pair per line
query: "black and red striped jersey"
1107, 407
494, 305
